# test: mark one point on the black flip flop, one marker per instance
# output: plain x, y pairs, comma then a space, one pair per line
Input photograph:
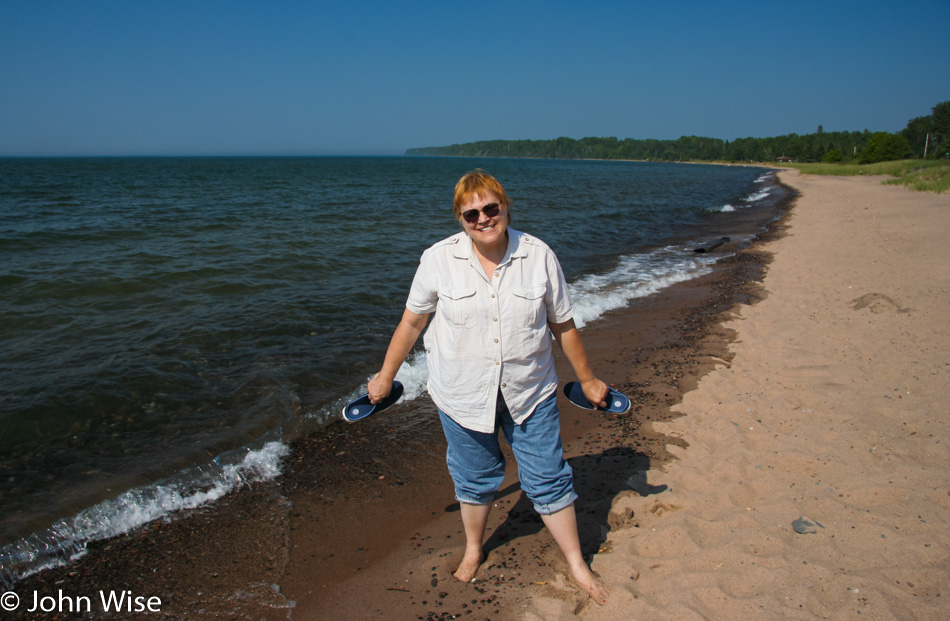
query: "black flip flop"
617, 402
361, 408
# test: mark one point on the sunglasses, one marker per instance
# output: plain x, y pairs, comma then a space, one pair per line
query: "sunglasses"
490, 210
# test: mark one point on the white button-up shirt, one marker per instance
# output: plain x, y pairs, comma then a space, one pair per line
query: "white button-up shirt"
490, 332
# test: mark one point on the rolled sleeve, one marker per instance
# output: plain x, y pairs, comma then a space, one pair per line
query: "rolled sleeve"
560, 306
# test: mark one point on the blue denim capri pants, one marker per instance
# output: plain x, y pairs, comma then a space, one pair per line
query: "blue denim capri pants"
477, 465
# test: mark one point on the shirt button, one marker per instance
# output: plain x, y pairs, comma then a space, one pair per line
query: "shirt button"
496, 340
497, 363
504, 384
493, 295
494, 318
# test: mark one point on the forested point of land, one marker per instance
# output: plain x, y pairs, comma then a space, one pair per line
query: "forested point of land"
927, 136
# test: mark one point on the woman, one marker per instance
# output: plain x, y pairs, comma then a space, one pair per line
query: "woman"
498, 295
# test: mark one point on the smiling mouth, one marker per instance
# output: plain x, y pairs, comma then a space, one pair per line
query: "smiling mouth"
486, 227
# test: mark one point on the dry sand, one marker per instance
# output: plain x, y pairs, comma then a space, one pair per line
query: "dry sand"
832, 409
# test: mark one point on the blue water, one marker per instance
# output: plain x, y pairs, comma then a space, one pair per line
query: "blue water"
169, 323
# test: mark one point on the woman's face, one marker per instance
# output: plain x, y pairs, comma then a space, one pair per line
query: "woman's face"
486, 230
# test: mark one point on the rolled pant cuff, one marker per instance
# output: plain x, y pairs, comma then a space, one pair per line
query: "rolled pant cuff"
481, 500
564, 502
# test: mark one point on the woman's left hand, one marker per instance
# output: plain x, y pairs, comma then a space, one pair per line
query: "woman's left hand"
595, 391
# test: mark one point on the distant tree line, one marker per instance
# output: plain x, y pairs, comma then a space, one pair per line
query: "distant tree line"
930, 132
929, 136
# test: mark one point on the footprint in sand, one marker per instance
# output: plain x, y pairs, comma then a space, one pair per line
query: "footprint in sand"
877, 303
659, 508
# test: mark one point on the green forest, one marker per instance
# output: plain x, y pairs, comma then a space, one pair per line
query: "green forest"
925, 137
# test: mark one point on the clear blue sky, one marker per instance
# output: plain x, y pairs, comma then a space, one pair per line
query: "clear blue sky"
239, 77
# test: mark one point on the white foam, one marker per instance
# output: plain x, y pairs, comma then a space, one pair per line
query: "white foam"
635, 276
758, 195
67, 539
414, 375
748, 200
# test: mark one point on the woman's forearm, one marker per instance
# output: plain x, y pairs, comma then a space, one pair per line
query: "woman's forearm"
404, 338
568, 337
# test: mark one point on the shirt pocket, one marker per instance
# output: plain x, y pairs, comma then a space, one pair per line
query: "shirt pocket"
460, 306
529, 306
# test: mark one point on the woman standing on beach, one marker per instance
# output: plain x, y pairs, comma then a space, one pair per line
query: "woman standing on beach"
498, 296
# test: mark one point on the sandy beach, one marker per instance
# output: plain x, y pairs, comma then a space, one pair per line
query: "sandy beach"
801, 385
816, 479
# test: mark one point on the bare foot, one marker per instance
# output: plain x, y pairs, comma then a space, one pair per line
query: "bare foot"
469, 566
585, 580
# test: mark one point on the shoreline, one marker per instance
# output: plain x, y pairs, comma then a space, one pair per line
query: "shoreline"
71, 488
282, 545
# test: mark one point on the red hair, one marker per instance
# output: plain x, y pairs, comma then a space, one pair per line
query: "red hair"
478, 182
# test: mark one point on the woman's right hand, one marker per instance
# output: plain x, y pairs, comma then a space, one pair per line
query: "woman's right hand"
378, 389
